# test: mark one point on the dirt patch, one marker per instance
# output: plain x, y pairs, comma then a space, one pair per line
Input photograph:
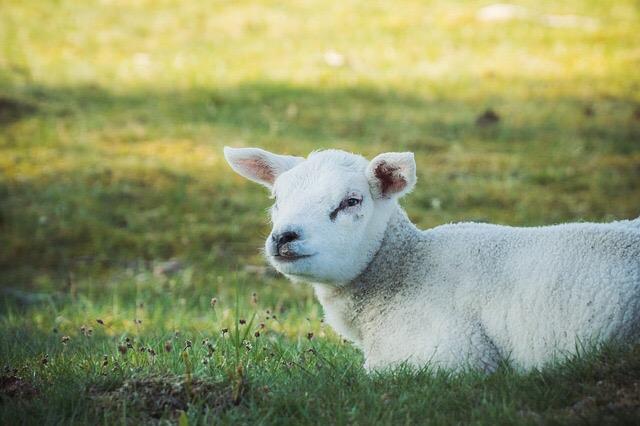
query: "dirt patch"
156, 397
16, 387
487, 118
611, 396
13, 110
609, 403
615, 395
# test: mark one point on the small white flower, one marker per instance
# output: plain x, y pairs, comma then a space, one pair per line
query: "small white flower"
334, 59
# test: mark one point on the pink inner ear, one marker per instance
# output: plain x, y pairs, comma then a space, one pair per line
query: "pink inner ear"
390, 180
258, 168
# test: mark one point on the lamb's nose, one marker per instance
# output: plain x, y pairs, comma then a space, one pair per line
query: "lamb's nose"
284, 238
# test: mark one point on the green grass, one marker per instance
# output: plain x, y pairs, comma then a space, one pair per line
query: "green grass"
113, 115
284, 375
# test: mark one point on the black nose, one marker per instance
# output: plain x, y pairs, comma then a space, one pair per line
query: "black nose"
284, 238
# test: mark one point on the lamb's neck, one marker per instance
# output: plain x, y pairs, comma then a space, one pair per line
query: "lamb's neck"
383, 277
387, 269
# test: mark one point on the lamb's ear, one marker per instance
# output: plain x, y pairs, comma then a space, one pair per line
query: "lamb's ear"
259, 165
392, 174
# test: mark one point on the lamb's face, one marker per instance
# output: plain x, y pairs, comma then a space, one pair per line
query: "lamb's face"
330, 210
323, 219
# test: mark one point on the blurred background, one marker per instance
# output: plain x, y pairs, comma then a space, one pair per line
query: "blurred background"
113, 115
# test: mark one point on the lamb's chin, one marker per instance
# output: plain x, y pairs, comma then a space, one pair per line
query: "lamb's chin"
297, 270
310, 278
312, 269
298, 278
297, 273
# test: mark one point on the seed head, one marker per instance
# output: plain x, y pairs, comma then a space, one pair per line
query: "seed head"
168, 346
214, 300
242, 321
65, 339
225, 331
99, 321
123, 349
310, 335
257, 334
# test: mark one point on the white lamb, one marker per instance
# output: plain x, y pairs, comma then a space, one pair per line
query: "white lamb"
455, 296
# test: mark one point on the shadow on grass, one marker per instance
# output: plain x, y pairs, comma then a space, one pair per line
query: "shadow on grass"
97, 209
368, 118
86, 218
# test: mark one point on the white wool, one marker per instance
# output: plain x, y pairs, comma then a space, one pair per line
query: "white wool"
458, 295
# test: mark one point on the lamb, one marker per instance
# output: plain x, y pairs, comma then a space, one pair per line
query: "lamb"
464, 295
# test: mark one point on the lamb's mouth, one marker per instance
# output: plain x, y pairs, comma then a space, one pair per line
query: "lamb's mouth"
290, 257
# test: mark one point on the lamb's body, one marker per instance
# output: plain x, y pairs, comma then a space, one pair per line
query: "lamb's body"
477, 294
457, 295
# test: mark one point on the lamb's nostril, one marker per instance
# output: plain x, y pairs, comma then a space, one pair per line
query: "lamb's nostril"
280, 241
287, 237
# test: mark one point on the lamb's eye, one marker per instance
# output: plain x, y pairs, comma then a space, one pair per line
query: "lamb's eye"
345, 203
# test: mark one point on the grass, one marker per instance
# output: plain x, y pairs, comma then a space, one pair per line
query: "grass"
114, 193
158, 354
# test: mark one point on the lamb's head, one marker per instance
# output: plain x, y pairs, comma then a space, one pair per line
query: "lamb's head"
331, 209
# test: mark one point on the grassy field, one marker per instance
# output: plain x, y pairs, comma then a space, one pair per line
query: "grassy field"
120, 221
